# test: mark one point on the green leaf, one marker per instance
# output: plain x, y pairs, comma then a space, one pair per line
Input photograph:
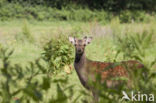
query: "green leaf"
46, 83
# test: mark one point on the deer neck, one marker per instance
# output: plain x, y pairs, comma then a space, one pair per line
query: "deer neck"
80, 57
80, 60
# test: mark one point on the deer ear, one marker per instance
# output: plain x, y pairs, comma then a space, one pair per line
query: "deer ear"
88, 39
72, 40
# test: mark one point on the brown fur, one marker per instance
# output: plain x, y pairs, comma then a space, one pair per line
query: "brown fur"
107, 69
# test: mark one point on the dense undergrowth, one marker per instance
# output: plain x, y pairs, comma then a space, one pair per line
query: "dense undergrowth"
10, 11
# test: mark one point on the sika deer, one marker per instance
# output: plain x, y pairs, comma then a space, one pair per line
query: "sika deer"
87, 69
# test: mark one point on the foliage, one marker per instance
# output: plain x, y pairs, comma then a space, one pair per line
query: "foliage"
131, 16
111, 5
12, 77
58, 53
132, 47
135, 46
25, 85
26, 32
11, 11
25, 35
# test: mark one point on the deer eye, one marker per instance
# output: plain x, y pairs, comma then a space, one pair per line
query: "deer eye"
84, 44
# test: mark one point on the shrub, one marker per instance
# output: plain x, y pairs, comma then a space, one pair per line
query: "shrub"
9, 11
134, 16
58, 53
82, 15
135, 47
31, 83
103, 17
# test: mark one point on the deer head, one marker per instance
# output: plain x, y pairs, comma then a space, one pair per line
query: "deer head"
80, 44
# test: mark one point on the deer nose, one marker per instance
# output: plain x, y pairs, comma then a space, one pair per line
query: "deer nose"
79, 50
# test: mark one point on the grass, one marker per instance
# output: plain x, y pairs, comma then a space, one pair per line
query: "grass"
101, 49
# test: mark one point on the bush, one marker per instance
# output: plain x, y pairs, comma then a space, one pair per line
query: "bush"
135, 46
11, 11
103, 16
110, 5
58, 53
134, 16
82, 15
30, 84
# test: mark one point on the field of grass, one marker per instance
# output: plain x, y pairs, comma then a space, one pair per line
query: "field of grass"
42, 32
102, 48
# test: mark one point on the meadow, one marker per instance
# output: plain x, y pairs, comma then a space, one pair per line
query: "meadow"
28, 40
12, 36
